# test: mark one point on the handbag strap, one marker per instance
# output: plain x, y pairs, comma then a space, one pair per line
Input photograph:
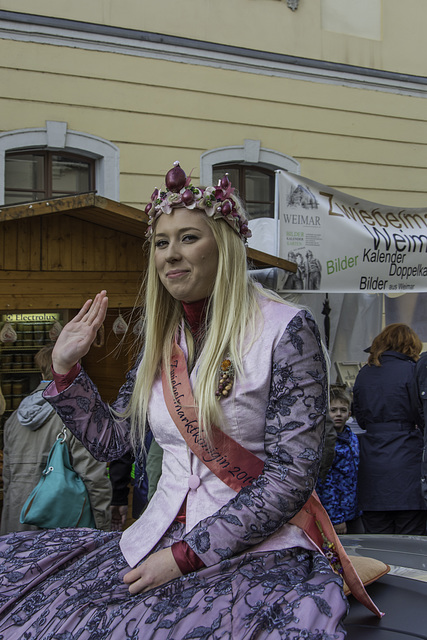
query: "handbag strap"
237, 467
65, 457
62, 435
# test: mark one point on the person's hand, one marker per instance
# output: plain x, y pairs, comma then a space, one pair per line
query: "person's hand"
341, 528
77, 336
119, 515
159, 568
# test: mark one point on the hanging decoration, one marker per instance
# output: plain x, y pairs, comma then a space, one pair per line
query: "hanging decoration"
2, 403
55, 330
120, 326
8, 333
100, 337
137, 329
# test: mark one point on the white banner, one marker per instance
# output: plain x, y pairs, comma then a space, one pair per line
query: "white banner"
346, 244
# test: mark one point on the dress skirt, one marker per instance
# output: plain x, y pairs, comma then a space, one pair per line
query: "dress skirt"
67, 584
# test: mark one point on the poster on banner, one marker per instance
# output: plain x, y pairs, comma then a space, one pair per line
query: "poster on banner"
345, 244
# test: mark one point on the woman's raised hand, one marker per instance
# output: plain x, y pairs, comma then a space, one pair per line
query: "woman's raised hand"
77, 336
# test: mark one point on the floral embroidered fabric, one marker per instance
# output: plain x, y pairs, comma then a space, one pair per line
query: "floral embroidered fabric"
67, 584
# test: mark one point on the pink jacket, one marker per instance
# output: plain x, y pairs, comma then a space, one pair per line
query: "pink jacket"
276, 410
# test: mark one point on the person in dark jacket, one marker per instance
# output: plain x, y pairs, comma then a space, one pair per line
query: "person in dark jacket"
391, 449
126, 471
420, 395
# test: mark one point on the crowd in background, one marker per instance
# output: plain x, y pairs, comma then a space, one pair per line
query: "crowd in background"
373, 474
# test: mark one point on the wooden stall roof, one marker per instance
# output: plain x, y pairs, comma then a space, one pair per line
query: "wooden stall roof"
87, 206
114, 215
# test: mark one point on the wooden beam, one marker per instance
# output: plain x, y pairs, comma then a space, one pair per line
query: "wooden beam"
261, 259
26, 290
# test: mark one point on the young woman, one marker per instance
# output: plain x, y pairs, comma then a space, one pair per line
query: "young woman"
232, 383
392, 447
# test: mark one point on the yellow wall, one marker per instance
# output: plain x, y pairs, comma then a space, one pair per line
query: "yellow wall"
269, 25
369, 143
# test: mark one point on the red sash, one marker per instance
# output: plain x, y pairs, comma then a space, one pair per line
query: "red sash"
237, 467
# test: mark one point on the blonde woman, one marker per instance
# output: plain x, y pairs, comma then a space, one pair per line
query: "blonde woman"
232, 382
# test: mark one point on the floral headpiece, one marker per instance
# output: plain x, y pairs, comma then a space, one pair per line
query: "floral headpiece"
217, 202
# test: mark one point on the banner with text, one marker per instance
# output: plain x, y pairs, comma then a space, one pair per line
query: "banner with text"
345, 244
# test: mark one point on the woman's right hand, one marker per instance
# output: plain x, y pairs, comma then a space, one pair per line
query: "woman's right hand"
77, 336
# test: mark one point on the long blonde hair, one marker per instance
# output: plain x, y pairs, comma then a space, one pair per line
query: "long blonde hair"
232, 323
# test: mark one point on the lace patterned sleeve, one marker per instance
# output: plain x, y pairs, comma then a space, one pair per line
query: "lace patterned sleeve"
294, 432
95, 423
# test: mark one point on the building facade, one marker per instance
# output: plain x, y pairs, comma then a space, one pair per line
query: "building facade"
332, 89
104, 96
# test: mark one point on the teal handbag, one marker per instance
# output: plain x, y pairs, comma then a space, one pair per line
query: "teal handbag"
60, 498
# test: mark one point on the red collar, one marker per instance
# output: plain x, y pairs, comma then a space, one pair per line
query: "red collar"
195, 313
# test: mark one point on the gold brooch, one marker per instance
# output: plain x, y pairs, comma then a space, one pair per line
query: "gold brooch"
226, 373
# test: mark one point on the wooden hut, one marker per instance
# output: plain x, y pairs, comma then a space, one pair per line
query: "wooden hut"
57, 253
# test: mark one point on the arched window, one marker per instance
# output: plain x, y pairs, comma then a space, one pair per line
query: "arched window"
254, 184
32, 175
55, 160
251, 169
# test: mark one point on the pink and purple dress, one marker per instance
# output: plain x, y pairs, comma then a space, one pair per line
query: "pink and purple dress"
263, 577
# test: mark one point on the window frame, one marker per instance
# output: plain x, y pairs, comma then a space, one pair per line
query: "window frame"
56, 136
47, 191
250, 152
241, 186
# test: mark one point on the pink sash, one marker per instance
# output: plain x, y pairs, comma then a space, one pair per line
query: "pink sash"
237, 467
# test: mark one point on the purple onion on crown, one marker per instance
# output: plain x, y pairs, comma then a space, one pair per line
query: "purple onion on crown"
187, 197
226, 208
225, 182
175, 178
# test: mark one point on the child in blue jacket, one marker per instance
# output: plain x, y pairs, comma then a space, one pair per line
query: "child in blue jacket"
338, 491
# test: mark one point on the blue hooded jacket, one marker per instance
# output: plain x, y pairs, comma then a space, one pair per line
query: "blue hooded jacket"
338, 492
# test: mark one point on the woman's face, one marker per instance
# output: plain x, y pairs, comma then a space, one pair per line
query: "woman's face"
185, 255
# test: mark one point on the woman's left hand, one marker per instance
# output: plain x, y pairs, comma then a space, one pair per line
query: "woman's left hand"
159, 568
341, 528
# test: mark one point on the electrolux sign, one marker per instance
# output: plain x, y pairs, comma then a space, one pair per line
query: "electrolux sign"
31, 317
